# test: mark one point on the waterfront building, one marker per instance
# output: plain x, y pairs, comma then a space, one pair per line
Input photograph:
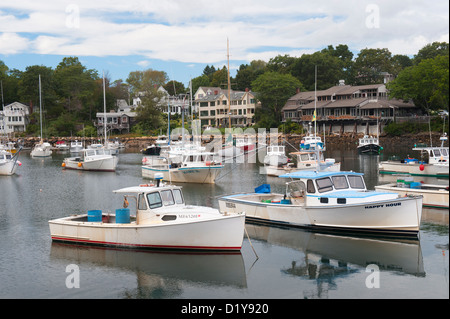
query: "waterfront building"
213, 109
347, 108
14, 118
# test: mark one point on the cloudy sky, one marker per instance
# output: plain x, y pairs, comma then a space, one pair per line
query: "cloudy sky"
181, 37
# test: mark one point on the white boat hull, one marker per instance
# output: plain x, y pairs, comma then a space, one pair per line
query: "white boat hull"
219, 233
436, 196
438, 170
8, 168
107, 163
41, 152
399, 216
199, 175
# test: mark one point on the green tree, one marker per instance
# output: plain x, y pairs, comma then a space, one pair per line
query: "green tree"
247, 73
75, 85
174, 87
329, 70
29, 89
427, 84
274, 89
430, 51
149, 112
143, 81
370, 64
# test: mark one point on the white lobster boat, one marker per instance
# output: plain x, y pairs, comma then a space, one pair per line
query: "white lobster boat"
332, 201
92, 160
186, 167
162, 221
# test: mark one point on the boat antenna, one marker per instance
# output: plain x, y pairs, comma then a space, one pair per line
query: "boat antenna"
229, 85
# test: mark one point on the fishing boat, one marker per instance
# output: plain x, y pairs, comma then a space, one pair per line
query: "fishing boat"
245, 144
305, 160
369, 145
276, 155
434, 162
9, 162
336, 201
76, 146
312, 142
99, 159
152, 150
162, 220
434, 195
187, 167
41, 149
62, 146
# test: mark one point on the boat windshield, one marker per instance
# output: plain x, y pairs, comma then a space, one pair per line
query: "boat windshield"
356, 181
324, 184
167, 197
340, 182
154, 200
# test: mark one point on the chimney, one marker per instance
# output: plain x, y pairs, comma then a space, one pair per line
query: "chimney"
298, 90
246, 89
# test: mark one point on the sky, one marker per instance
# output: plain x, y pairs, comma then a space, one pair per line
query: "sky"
182, 37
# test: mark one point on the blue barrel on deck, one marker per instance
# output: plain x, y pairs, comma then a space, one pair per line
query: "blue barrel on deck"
94, 215
122, 216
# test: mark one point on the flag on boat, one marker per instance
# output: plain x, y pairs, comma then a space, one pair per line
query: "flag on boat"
314, 116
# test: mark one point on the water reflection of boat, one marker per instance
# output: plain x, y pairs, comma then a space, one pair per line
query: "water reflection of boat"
400, 255
160, 272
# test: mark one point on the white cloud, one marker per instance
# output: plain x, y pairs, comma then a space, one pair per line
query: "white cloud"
196, 31
11, 43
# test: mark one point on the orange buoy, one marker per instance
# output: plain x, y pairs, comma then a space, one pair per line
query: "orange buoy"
422, 167
79, 164
63, 164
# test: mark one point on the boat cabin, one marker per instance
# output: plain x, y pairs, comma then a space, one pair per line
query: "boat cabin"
276, 149
328, 187
152, 199
368, 140
436, 154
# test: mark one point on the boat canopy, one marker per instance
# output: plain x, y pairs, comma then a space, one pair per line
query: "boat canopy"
317, 174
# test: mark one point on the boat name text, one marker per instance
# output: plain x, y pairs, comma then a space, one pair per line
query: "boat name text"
383, 205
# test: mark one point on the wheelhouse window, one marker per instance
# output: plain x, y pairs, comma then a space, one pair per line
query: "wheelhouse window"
167, 197
324, 184
356, 181
310, 186
178, 196
141, 202
154, 200
340, 182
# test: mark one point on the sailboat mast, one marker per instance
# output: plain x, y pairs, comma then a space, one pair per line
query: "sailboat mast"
315, 100
104, 107
40, 105
229, 85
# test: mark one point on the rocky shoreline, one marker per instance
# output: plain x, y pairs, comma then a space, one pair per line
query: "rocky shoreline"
345, 140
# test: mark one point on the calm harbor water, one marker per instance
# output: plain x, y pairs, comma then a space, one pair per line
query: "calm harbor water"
292, 263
